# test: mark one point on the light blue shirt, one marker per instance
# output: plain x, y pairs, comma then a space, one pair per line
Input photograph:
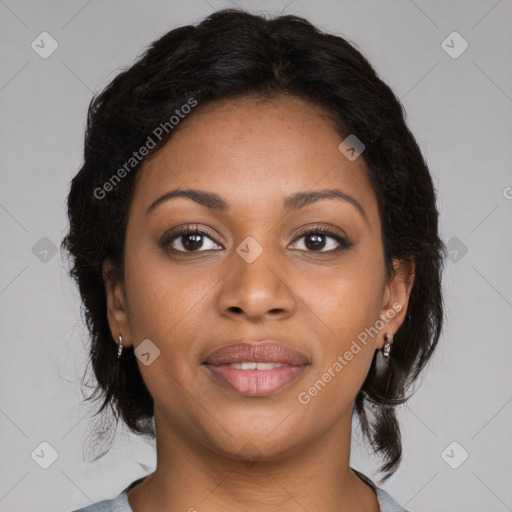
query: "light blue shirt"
120, 504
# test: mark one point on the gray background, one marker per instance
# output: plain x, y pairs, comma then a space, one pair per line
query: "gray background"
458, 108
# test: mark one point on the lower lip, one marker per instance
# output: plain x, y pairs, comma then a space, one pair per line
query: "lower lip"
256, 382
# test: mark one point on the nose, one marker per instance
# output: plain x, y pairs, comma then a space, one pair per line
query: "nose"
256, 291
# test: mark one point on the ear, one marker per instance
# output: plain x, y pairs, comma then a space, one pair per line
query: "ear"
116, 304
396, 298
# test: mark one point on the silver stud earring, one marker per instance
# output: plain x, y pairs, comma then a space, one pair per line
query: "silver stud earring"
388, 337
120, 338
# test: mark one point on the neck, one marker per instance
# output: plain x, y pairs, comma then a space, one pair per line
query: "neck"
191, 477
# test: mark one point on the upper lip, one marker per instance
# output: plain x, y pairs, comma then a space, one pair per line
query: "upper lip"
267, 351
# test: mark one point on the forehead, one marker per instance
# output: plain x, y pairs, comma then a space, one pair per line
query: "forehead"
251, 150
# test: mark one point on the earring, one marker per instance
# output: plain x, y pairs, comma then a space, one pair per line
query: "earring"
387, 346
120, 338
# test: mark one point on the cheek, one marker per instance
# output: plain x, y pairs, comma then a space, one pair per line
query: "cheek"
348, 302
165, 302
349, 298
162, 294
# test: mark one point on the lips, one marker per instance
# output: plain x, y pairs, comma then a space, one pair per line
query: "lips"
256, 368
261, 352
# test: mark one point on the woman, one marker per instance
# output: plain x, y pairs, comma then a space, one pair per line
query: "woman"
254, 234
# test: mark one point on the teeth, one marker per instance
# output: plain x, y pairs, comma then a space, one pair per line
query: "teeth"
256, 366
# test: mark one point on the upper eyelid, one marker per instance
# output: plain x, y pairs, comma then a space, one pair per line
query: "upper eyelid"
196, 226
329, 232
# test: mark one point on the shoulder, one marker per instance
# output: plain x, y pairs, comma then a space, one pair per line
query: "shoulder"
118, 504
386, 502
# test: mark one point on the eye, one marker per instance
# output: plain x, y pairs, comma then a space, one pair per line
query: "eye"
316, 240
191, 239
188, 239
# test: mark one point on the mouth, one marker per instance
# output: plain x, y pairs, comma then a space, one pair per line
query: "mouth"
256, 368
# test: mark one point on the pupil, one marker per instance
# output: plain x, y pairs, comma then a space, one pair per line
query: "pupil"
195, 244
318, 243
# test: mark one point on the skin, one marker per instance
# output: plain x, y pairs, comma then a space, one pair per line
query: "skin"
254, 153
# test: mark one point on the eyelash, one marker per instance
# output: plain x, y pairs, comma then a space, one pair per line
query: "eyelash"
344, 243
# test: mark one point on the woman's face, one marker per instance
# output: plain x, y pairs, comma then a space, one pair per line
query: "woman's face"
253, 275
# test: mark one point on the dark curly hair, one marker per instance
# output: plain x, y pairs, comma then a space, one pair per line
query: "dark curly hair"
233, 53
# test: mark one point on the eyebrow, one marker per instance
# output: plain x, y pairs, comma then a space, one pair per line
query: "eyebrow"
296, 201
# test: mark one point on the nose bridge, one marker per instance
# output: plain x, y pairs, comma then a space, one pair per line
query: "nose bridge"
255, 284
